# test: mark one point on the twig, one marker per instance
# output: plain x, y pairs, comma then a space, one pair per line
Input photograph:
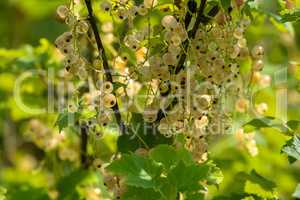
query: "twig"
192, 34
83, 145
192, 8
106, 67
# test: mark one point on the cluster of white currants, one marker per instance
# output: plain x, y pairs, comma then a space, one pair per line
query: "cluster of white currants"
189, 79
66, 43
124, 9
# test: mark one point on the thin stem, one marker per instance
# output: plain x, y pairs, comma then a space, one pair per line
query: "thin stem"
192, 34
83, 145
106, 67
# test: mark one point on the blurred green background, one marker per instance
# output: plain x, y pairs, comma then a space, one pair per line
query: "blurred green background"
22, 25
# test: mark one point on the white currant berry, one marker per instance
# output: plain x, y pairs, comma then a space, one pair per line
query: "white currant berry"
107, 87
242, 105
82, 73
169, 59
107, 27
133, 11
99, 134
160, 72
164, 87
239, 3
62, 11
131, 42
242, 43
202, 102
258, 65
109, 100
142, 10
257, 52
265, 81
82, 27
71, 20
106, 6
150, 3
201, 122
63, 40
110, 181
133, 87
150, 114
176, 40
103, 119
169, 22
122, 14
238, 33
98, 163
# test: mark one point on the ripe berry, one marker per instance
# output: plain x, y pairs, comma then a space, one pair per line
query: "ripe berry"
257, 52
106, 6
107, 87
109, 100
62, 11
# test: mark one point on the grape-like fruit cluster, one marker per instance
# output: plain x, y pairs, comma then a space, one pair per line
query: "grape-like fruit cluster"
193, 82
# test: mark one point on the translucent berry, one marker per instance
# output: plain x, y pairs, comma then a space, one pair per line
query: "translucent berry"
150, 3
99, 134
238, 33
258, 65
261, 108
242, 43
107, 87
242, 105
257, 52
62, 11
169, 59
150, 114
82, 27
142, 10
109, 100
169, 22
122, 14
98, 163
106, 6
201, 122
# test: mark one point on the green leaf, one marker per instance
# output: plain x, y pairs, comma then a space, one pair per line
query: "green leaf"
134, 193
290, 17
66, 118
267, 122
260, 122
215, 175
26, 191
292, 149
293, 124
194, 196
249, 7
139, 171
234, 196
296, 194
263, 182
67, 185
167, 189
225, 4
257, 185
141, 134
3, 192
164, 154
187, 177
